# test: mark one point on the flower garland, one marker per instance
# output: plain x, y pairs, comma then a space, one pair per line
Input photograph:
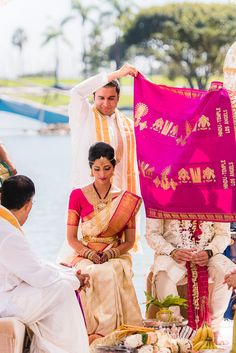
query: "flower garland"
186, 229
195, 235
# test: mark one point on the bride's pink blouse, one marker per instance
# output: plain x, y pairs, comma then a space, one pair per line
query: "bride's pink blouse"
79, 207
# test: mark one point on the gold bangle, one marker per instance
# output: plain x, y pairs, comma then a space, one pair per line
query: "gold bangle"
172, 254
90, 255
87, 254
116, 252
108, 253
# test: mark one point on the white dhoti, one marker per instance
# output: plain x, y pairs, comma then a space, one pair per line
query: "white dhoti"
53, 314
40, 295
167, 274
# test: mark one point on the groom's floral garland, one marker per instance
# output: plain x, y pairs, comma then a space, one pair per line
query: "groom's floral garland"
187, 228
194, 235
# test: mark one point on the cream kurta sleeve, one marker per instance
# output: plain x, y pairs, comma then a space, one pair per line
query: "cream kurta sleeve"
221, 239
154, 236
79, 106
82, 126
19, 260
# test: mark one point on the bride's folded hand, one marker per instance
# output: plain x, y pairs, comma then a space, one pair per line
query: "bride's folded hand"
95, 258
104, 257
92, 256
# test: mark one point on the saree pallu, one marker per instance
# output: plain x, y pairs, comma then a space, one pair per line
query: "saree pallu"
111, 300
105, 228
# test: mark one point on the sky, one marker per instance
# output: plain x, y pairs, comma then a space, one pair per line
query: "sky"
34, 16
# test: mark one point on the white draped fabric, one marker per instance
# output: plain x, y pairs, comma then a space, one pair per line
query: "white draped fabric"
42, 296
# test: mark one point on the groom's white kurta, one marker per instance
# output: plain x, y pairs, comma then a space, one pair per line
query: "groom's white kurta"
163, 236
40, 295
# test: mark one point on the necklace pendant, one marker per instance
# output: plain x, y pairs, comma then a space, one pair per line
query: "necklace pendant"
101, 205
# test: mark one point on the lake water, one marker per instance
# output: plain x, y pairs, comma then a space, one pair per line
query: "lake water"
46, 160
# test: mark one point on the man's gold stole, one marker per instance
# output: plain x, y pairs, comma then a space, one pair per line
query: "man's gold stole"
102, 134
8, 216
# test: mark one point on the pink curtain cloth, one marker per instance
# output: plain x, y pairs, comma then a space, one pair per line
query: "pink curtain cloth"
186, 151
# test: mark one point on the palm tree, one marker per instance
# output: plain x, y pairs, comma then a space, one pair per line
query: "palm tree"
56, 34
97, 54
120, 14
19, 38
84, 13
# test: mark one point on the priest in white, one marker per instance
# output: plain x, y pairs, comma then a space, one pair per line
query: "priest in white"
42, 296
102, 121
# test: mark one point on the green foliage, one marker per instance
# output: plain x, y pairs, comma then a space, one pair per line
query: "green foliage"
144, 338
84, 13
53, 100
9, 83
97, 54
168, 301
46, 81
56, 34
190, 38
119, 14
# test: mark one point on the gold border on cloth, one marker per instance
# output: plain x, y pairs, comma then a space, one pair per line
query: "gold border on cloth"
101, 124
8, 216
131, 184
127, 208
219, 217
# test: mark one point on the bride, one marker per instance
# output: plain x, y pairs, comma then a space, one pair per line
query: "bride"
100, 232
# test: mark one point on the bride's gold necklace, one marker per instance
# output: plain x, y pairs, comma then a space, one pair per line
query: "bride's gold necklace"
100, 203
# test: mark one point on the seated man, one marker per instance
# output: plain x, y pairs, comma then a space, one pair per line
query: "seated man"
42, 296
175, 245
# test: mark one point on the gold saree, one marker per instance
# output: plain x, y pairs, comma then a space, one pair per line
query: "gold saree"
111, 300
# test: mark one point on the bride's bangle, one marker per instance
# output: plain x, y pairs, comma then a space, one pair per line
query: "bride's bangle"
90, 254
116, 252
112, 253
86, 253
